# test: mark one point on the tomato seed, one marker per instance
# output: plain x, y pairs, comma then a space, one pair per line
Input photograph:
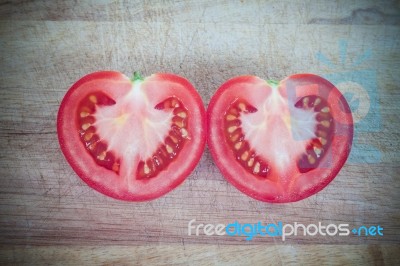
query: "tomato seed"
305, 101
235, 137
250, 162
230, 117
92, 146
185, 133
242, 106
169, 149
102, 156
256, 168
234, 111
93, 99
325, 109
146, 169
317, 102
245, 156
87, 136
174, 140
232, 128
311, 159
174, 103
85, 126
317, 151
178, 121
325, 123
84, 114
238, 145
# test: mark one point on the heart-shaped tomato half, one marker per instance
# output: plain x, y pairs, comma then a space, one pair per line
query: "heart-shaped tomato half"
132, 139
279, 141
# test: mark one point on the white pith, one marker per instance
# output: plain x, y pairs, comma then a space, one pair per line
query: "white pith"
278, 131
132, 127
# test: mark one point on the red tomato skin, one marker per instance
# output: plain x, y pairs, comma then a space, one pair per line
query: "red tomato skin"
274, 193
154, 191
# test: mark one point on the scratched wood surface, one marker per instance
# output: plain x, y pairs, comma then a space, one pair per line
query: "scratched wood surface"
48, 214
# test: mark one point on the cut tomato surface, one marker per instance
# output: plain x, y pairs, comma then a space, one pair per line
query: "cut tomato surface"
279, 141
132, 139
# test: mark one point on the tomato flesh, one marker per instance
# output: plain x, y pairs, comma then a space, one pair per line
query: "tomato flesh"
138, 139
280, 142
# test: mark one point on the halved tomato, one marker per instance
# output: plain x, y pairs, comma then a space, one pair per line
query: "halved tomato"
279, 141
132, 139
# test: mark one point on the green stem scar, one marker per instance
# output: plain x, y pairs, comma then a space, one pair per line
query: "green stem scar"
137, 76
273, 83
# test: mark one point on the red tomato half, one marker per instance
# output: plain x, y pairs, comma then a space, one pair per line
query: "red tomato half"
279, 141
133, 139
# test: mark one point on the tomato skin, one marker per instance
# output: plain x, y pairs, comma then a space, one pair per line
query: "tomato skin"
295, 186
116, 84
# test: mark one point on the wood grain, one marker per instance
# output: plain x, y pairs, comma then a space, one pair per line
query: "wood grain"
344, 12
45, 46
206, 255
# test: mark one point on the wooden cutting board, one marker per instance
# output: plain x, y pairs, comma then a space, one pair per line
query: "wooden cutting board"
46, 46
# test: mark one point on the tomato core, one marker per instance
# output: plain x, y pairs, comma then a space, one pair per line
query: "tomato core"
105, 126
